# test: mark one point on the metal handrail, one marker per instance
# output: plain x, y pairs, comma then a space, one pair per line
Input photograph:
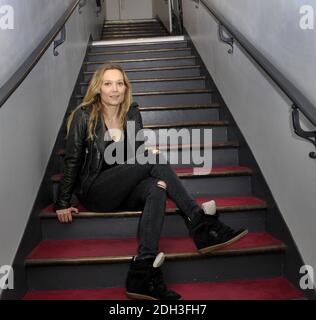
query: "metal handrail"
17, 78
291, 91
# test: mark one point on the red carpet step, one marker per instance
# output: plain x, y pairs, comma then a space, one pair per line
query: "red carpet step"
259, 289
67, 251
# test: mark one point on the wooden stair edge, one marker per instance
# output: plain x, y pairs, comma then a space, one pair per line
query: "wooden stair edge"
184, 41
215, 145
170, 211
166, 92
195, 66
179, 107
138, 51
185, 78
214, 123
169, 256
239, 171
142, 59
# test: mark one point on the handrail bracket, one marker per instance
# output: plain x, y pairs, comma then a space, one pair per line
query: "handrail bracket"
59, 42
81, 5
225, 39
308, 135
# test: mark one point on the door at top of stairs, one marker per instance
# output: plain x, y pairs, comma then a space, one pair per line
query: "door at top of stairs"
128, 9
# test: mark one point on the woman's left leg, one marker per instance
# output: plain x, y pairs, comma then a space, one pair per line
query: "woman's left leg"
151, 197
145, 278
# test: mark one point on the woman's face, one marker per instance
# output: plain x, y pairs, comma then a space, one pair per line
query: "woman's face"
113, 88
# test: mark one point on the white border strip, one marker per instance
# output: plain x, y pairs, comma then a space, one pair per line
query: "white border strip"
138, 40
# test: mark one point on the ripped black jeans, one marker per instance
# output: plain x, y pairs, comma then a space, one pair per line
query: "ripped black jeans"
134, 187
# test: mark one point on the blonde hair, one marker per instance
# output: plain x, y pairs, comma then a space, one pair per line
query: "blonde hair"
92, 99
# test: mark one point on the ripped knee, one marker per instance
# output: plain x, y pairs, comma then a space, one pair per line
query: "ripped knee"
162, 184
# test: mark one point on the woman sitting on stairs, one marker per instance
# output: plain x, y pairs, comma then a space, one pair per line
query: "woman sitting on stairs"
99, 122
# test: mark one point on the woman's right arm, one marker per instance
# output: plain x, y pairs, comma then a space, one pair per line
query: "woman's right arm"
72, 165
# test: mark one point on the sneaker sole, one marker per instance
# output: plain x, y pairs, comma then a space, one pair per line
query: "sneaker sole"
137, 296
221, 245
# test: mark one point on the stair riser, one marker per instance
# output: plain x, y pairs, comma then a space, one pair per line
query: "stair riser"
215, 186
138, 28
162, 136
166, 99
169, 116
161, 45
134, 32
219, 157
133, 36
132, 25
146, 64
114, 275
133, 75
102, 228
123, 28
161, 85
227, 156
138, 55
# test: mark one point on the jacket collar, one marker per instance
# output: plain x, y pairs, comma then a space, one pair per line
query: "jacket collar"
101, 128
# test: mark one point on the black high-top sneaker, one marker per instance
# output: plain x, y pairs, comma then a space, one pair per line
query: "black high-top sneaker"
208, 233
145, 280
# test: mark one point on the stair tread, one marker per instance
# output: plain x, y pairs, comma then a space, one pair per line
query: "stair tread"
181, 41
278, 288
138, 51
123, 249
184, 172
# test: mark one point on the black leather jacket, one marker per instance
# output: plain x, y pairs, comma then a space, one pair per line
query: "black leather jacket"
84, 158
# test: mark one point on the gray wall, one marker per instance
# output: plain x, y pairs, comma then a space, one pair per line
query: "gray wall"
32, 20
161, 8
31, 118
129, 9
261, 111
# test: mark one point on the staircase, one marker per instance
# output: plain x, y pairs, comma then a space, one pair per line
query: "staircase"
117, 30
89, 258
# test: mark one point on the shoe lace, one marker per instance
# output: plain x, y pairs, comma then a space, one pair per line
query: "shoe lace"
157, 280
221, 229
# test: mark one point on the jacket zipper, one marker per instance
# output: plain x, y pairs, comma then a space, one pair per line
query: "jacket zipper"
86, 156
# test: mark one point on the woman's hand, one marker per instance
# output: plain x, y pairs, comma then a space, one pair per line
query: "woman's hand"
65, 215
